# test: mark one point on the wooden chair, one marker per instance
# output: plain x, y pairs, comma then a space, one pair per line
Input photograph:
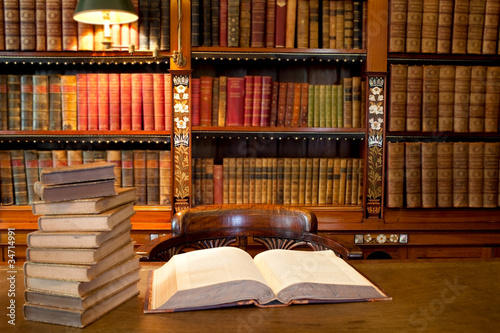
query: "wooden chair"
275, 227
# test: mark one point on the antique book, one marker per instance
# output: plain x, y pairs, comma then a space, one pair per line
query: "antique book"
290, 28
304, 25
430, 26
127, 157
336, 180
195, 22
460, 27
206, 87
14, 101
445, 174
235, 101
430, 98
490, 32
492, 99
152, 177
414, 98
115, 157
477, 98
68, 102
6, 184
82, 111
4, 105
69, 26
348, 24
476, 26
414, 26
304, 100
413, 169
339, 18
265, 109
19, 177
347, 84
476, 174
165, 166
147, 91
54, 25
12, 25
333, 24
445, 20
26, 102
399, 92
429, 174
282, 97
248, 92
290, 97
92, 101
357, 25
233, 23
325, 26
356, 101
78, 173
140, 165
446, 104
168, 101
31, 167
348, 182
263, 281
27, 25
258, 23
49, 101
222, 105
245, 23
114, 101
257, 100
395, 174
270, 24
460, 174
154, 25
214, 112
40, 25
136, 101
462, 99
490, 180
59, 158
72, 191
85, 206
280, 34
342, 181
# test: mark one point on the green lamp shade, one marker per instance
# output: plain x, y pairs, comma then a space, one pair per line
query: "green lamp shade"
91, 11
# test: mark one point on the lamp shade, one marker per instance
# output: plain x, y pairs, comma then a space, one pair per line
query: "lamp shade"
92, 11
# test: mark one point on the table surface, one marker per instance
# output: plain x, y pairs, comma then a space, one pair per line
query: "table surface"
428, 296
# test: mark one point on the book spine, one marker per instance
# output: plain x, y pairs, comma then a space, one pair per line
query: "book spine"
325, 23
257, 100
348, 24
103, 100
490, 32
26, 102
248, 100
348, 184
206, 87
340, 21
55, 99
446, 98
195, 22
294, 181
476, 174
69, 26
233, 23
82, 105
342, 181
152, 178
12, 25
490, 180
215, 101
356, 101
333, 25
281, 9
144, 20
68, 102
460, 174
114, 101
282, 92
303, 23
492, 100
136, 101
430, 98
245, 23
258, 23
347, 84
127, 158
41, 104
399, 91
27, 25
413, 166
54, 25
218, 184
265, 115
329, 181
14, 101
304, 100
19, 177
41, 25
414, 98
148, 116
358, 26
291, 15
59, 158
290, 97
75, 157
270, 28
223, 24
414, 26
140, 165
159, 101
430, 26
125, 102
215, 22
195, 101
460, 27
445, 20
462, 99
296, 105
92, 104
6, 182
165, 174
31, 167
475, 26
154, 25
168, 101
429, 174
477, 98
206, 23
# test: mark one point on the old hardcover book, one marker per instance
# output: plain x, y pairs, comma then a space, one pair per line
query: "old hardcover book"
215, 102
280, 35
429, 174
114, 101
245, 23
430, 26
414, 98
82, 110
445, 174
356, 102
347, 84
19, 177
460, 174
4, 105
152, 177
233, 23
445, 20
462, 99
147, 91
460, 27
413, 165
476, 26
248, 99
261, 277
218, 184
31, 167
348, 24
291, 22
195, 22
221, 112
235, 101
446, 104
27, 25
258, 23
397, 27
490, 180
197, 175
282, 97
6, 182
11, 23
339, 16
69, 26
68, 102
414, 26
325, 25
231, 180
492, 102
127, 158
490, 32
304, 25
333, 24
77, 173
136, 101
304, 107
270, 32
348, 182
430, 98
85, 206
165, 170
140, 165
477, 98
265, 109
168, 101
92, 101
26, 102
395, 174
257, 100
14, 101
476, 174
206, 100
154, 25
54, 25
342, 181
399, 92
59, 158
82, 190
223, 20
49, 98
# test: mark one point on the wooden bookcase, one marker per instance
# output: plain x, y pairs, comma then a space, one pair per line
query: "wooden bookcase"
401, 233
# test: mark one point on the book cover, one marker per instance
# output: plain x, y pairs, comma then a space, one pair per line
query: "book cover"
136, 101
280, 34
69, 26
27, 25
12, 25
270, 23
42, 99
445, 20
92, 102
258, 23
413, 170
26, 102
165, 166
40, 25
490, 180
148, 112
245, 23
290, 28
152, 177
235, 101
492, 104
140, 178
446, 104
303, 24
490, 32
233, 23
462, 99
476, 26
414, 26
399, 92
206, 87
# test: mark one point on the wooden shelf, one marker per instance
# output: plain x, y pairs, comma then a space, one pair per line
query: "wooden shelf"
123, 136
221, 130
448, 58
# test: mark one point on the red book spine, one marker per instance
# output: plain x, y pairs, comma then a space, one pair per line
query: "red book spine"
103, 101
296, 105
92, 102
304, 104
159, 101
257, 100
248, 108
114, 101
235, 101
223, 23
280, 23
82, 102
265, 111
258, 23
280, 119
270, 23
125, 102
218, 184
147, 102
136, 102
206, 83
274, 104
195, 101
290, 98
168, 101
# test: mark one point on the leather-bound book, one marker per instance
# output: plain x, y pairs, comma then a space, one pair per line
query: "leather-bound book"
304, 25
476, 174
429, 174
340, 106
356, 101
54, 90
139, 163
26, 102
195, 22
54, 25
148, 122
460, 27
144, 19
2, 27
195, 101
490, 32
75, 157
246, 181
235, 101
233, 23
154, 25
308, 181
164, 25
476, 26
348, 24
322, 105
239, 180
69, 26
280, 35
290, 97
225, 181
342, 181
358, 25
165, 168
265, 110
460, 174
291, 16
445, 20
355, 181
270, 32
205, 23
395, 174
462, 99
339, 15
258, 23
125, 102
414, 98
328, 106
223, 23
92, 98
430, 26
159, 101
152, 177
12, 25
333, 24
19, 177
103, 100
31, 167
413, 164
361, 182
256, 182
257, 100
82, 110
490, 183
322, 180
348, 182
252, 164
280, 118
41, 104
265, 176
215, 101
14, 101
6, 182
221, 112
492, 103
206, 86
215, 22
302, 181
287, 181
114, 101
27, 25
40, 25
248, 100
347, 84
68, 102
60, 159
446, 98
112, 156
430, 98
399, 92
304, 100
218, 183
168, 101
296, 105
414, 26
477, 98
127, 158
136, 101
273, 113
245, 23
397, 27
325, 25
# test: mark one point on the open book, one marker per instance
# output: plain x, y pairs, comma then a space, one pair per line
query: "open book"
228, 276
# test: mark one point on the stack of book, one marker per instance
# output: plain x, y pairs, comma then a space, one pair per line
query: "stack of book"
81, 262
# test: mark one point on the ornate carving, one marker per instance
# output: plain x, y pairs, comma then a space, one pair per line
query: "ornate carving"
279, 243
381, 239
169, 253
216, 242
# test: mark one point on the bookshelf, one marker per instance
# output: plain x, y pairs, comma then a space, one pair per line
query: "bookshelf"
402, 232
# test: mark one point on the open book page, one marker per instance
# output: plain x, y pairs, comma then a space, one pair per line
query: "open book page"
318, 275
208, 277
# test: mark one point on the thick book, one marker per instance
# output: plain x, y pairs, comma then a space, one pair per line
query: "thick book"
399, 92
85, 206
476, 26
27, 25
430, 98
258, 23
460, 27
72, 191
492, 104
490, 180
445, 174
245, 23
462, 99
235, 101
281, 9
414, 98
54, 25
414, 26
446, 102
270, 28
26, 102
476, 174
267, 280
68, 102
12, 27
490, 32
77, 173
429, 174
397, 27
395, 174
445, 20
303, 24
477, 98
460, 174
19, 177
413, 164
69, 26
430, 26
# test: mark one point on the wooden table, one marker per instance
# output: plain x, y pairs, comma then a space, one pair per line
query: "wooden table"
445, 296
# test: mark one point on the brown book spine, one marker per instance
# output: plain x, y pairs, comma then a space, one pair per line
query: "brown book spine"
356, 101
414, 26
251, 175
54, 101
27, 25
165, 166
414, 98
82, 106
296, 105
41, 102
26, 102
490, 32
92, 98
112, 156
399, 91
339, 16
44, 160
445, 20
430, 98
342, 180
308, 181
232, 180
281, 9
430, 26
239, 180
282, 98
114, 101
233, 22
303, 23
291, 15
397, 28
246, 181
490, 180
355, 181
2, 27
19, 177
322, 180
361, 182
270, 23
445, 174
333, 24
413, 165
245, 22
60, 158
218, 183
302, 181
460, 27
68, 102
6, 182
476, 174
348, 24
290, 97
75, 157
69, 26
139, 164
477, 98
325, 24
429, 174
248, 100
125, 102
446, 98
54, 25
152, 177
265, 109
127, 168
273, 113
14, 101
195, 101
4, 106
258, 23
462, 99
31, 167
476, 26
347, 84
148, 121
304, 100
348, 184
257, 100
287, 180
395, 174
460, 174
266, 174
215, 101
12, 25
492, 101
221, 113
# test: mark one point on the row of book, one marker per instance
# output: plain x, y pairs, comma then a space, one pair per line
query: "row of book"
444, 98
289, 181
443, 174
444, 26
260, 101
147, 170
86, 101
331, 24
81, 263
48, 25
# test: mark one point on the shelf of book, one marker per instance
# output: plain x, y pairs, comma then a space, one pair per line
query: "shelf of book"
276, 131
452, 58
94, 136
